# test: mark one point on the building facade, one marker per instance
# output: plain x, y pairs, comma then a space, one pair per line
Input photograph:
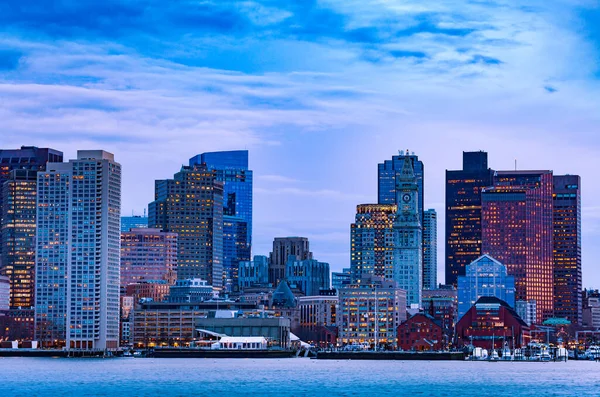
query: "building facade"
154, 290
517, 230
148, 254
309, 275
254, 272
78, 252
527, 310
341, 279
591, 309
4, 293
421, 332
370, 313
442, 305
235, 249
283, 247
567, 247
191, 205
388, 174
463, 213
484, 277
133, 222
318, 320
19, 196
491, 324
430, 249
231, 168
372, 240
407, 263
191, 290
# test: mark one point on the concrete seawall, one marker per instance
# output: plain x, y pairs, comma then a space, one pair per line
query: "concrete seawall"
424, 356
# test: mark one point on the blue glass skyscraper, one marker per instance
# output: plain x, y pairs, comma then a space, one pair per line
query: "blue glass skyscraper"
231, 168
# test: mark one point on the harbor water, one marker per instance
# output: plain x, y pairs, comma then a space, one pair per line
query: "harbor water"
293, 377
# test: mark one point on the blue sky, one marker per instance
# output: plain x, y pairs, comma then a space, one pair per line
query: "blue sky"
318, 91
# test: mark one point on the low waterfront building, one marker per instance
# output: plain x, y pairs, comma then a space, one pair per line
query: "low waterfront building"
318, 319
18, 324
485, 276
370, 312
173, 324
491, 323
190, 290
155, 290
421, 332
309, 275
275, 329
253, 273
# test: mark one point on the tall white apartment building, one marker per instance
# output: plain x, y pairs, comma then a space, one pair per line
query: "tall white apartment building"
78, 252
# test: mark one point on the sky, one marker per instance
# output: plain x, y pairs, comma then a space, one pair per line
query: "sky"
319, 92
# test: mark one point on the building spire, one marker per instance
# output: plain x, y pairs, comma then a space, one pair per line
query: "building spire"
408, 172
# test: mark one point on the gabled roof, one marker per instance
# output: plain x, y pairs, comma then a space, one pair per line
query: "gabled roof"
493, 300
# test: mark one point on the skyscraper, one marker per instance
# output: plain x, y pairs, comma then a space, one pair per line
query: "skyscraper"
463, 212
148, 255
388, 173
78, 252
407, 264
309, 275
371, 240
191, 205
231, 168
430, 249
283, 247
567, 248
517, 230
484, 277
18, 172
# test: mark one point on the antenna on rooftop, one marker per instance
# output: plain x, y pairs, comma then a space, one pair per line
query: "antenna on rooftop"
515, 164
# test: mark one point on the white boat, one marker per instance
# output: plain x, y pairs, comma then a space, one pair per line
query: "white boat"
494, 356
127, 353
506, 354
479, 354
592, 353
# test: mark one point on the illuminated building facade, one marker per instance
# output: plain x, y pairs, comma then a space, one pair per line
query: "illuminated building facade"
430, 249
148, 254
231, 168
567, 248
18, 170
388, 174
491, 324
517, 230
19, 194
370, 312
341, 279
254, 272
155, 290
407, 257
191, 205
318, 319
463, 213
484, 277
371, 240
283, 247
421, 332
78, 252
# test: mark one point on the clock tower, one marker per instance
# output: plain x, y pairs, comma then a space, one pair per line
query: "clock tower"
407, 263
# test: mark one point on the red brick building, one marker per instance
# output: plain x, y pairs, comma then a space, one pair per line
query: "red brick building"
492, 319
420, 332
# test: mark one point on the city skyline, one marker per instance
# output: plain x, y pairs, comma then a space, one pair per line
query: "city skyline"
318, 106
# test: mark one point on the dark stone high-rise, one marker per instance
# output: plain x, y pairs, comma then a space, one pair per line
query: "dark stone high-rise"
567, 248
18, 223
463, 212
191, 205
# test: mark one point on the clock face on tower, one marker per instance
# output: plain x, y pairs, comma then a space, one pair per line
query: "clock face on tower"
406, 197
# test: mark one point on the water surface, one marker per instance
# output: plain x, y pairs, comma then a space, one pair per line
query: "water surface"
292, 377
